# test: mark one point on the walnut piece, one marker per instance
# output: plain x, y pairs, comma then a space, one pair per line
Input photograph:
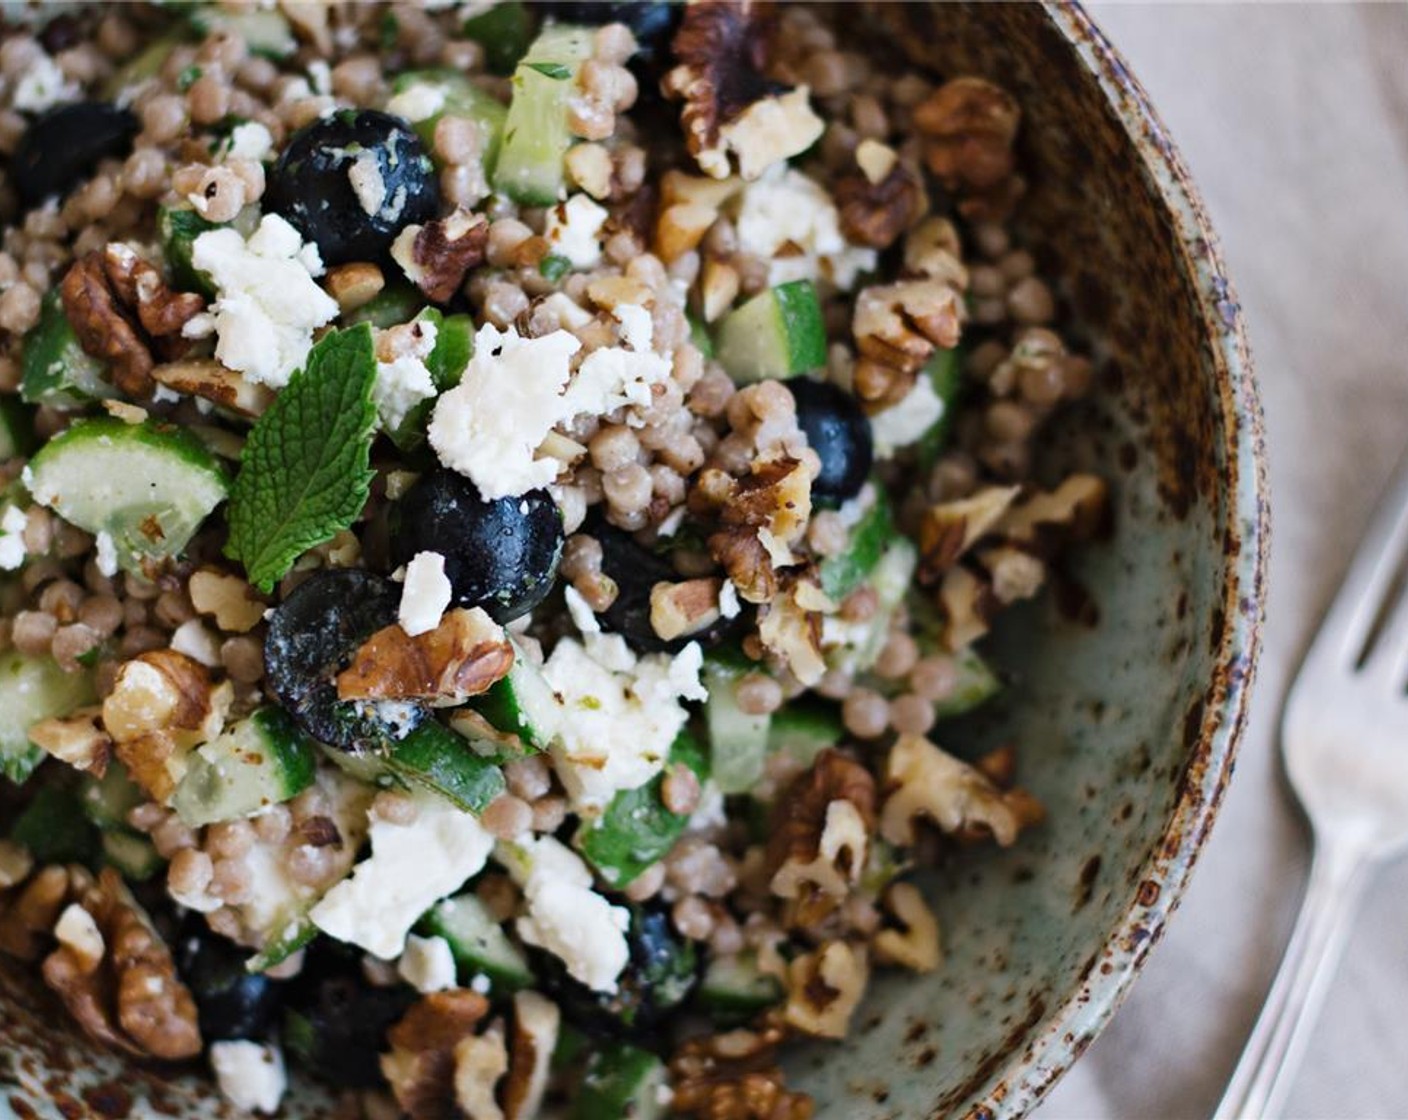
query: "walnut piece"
481, 1060
29, 910
789, 626
436, 256
129, 995
162, 706
161, 311
899, 325
764, 513
926, 782
230, 600
969, 126
950, 529
875, 212
207, 378
677, 609
825, 987
75, 739
915, 944
102, 328
820, 836
1076, 510
932, 249
420, 1066
354, 284
735, 1076
460, 658
967, 606
532, 1040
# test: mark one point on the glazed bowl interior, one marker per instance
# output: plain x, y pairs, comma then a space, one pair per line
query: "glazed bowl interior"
1128, 683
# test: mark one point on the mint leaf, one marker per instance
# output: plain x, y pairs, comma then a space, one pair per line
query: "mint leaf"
306, 468
554, 70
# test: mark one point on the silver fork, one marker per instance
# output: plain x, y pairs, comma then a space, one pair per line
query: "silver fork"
1344, 736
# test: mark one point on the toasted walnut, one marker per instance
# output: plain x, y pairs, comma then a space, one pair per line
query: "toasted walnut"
139, 284
820, 835
967, 606
926, 782
162, 706
824, 988
536, 1023
117, 978
207, 378
730, 108
735, 1076
791, 629
680, 228
102, 328
436, 256
765, 513
915, 944
481, 1060
355, 284
234, 604
874, 211
29, 911
932, 249
899, 325
75, 739
1012, 573
719, 285
950, 529
420, 1066
461, 657
15, 864
969, 126
677, 609
1076, 510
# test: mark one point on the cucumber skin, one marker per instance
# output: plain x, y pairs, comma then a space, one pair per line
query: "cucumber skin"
454, 346
16, 428
134, 856
440, 923
977, 683
735, 770
462, 100
800, 311
777, 334
34, 689
437, 759
843, 573
620, 1084
395, 304
288, 772
734, 990
54, 369
178, 229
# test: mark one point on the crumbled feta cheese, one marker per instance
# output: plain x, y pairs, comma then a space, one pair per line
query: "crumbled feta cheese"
907, 419
405, 381
573, 229
368, 185
267, 305
510, 396
250, 140
787, 209
417, 102
637, 327
106, 558
427, 964
480, 983
410, 868
77, 930
583, 617
611, 377
399, 717
728, 599
250, 1074
541, 855
197, 641
320, 77
425, 595
41, 86
12, 550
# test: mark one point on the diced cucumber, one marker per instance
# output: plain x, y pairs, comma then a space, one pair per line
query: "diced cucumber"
699, 335
148, 486
284, 944
142, 67
856, 646
945, 372
435, 758
843, 573
522, 704
738, 741
622, 1083
504, 31
33, 689
54, 369
54, 828
257, 762
108, 800
133, 855
178, 227
536, 136
16, 428
636, 830
264, 30
777, 333
734, 989
976, 683
803, 729
396, 303
460, 99
454, 345
477, 942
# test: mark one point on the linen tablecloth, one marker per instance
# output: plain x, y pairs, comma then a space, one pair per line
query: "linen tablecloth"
1294, 121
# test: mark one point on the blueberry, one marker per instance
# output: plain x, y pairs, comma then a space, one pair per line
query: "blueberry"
651, 21
335, 1023
500, 555
231, 1002
660, 975
351, 181
312, 635
839, 432
62, 147
636, 570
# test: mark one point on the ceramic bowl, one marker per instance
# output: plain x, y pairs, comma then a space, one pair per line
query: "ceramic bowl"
1127, 711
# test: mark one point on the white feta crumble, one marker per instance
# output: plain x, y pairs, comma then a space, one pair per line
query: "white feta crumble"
417, 102
480, 983
364, 173
106, 558
582, 615
12, 550
785, 208
250, 140
709, 813
427, 964
405, 381
410, 868
267, 305
425, 595
907, 419
490, 425
320, 77
729, 605
198, 642
612, 377
770, 131
250, 1074
573, 229
41, 86
637, 327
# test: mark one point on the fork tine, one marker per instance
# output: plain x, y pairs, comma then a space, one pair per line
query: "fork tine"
1370, 578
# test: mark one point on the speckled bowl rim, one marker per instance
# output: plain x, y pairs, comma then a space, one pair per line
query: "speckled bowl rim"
1026, 1076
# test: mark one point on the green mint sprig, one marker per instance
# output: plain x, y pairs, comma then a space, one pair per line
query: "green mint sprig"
306, 468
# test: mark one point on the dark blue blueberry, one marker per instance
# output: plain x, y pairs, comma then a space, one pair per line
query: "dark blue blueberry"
231, 1002
839, 432
62, 147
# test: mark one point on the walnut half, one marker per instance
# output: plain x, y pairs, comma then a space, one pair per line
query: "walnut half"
735, 1076
825, 987
420, 1066
929, 783
461, 657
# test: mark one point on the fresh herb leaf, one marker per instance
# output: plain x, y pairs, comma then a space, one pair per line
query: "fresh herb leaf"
554, 267
188, 77
54, 828
390, 31
503, 31
305, 472
554, 70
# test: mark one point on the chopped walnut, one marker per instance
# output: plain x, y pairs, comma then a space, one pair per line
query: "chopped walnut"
678, 609
730, 107
420, 1066
932, 249
1076, 510
874, 211
930, 783
460, 658
161, 707
355, 284
139, 284
207, 378
29, 911
735, 1076
1012, 573
824, 988
719, 285
481, 1060
102, 328
915, 944
230, 600
969, 125
75, 739
899, 325
532, 1040
129, 995
763, 515
820, 836
436, 256
967, 606
950, 529
789, 626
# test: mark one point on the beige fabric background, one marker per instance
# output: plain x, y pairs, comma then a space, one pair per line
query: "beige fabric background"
1294, 121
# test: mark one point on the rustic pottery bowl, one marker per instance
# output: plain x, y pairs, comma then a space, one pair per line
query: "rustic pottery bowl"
1127, 708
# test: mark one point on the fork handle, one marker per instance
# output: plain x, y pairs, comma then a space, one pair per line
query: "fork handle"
1269, 1061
